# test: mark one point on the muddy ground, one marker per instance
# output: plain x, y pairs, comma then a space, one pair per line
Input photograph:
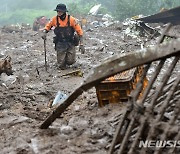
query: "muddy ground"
24, 97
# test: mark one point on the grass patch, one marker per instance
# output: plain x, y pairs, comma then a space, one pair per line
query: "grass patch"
23, 16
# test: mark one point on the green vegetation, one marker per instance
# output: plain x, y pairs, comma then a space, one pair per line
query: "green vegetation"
79, 9
23, 16
21, 11
129, 8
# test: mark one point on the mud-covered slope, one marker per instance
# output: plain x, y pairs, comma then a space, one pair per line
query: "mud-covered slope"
84, 127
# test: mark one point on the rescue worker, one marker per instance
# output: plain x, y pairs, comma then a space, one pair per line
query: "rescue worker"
65, 39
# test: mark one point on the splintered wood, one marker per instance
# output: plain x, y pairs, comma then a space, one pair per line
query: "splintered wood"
151, 124
151, 118
122, 76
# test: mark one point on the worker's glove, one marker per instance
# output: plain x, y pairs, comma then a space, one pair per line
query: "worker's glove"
82, 49
44, 34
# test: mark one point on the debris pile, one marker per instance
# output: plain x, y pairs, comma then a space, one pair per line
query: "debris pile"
82, 127
155, 116
15, 28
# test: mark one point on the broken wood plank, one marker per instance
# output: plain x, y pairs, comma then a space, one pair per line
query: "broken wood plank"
113, 66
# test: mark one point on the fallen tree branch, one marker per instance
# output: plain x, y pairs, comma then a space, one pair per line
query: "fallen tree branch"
113, 66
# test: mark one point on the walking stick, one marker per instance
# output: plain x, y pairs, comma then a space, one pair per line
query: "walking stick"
45, 54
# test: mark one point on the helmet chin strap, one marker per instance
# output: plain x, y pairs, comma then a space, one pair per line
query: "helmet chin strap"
63, 16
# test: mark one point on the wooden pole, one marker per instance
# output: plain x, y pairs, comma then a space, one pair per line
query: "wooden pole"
45, 55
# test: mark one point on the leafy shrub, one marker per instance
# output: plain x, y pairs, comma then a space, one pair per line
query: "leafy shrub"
23, 16
128, 8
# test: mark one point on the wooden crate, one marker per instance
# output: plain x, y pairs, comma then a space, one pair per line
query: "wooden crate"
117, 88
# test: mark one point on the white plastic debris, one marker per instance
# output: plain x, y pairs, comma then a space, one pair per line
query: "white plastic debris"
7, 80
94, 10
60, 97
107, 17
66, 129
107, 23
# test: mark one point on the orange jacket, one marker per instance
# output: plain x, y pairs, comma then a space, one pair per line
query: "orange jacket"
73, 23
